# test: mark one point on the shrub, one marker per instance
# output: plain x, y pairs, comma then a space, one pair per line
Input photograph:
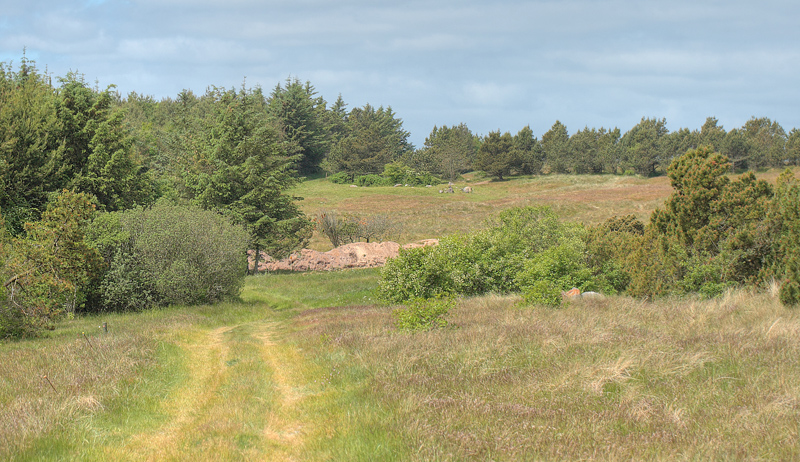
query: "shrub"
333, 226
127, 286
416, 273
786, 209
372, 180
609, 246
347, 228
400, 173
50, 267
554, 270
341, 178
477, 263
168, 255
790, 287
424, 313
543, 292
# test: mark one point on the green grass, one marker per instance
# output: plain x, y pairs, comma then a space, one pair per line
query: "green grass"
298, 291
425, 213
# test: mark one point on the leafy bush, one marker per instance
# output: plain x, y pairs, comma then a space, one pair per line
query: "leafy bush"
543, 292
553, 270
400, 173
372, 180
471, 264
49, 268
609, 246
424, 313
168, 255
341, 178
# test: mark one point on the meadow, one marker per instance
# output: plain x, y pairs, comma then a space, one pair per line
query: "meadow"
309, 366
424, 213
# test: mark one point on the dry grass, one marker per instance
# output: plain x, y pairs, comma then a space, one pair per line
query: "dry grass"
614, 379
66, 379
424, 213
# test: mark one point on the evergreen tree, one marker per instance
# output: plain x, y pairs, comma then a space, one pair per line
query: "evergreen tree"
713, 135
302, 117
496, 155
642, 147
28, 140
739, 149
769, 141
242, 170
372, 138
556, 148
528, 151
449, 151
793, 147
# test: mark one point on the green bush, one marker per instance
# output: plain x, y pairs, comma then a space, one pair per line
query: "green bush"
341, 178
168, 255
372, 180
786, 210
790, 287
400, 173
554, 270
47, 271
477, 263
543, 292
423, 313
415, 273
127, 286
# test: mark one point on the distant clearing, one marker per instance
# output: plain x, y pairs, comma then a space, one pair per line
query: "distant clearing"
425, 213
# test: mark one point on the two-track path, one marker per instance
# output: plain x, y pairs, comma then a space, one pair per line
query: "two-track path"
240, 399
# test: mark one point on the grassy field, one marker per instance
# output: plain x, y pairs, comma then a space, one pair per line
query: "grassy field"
310, 367
425, 213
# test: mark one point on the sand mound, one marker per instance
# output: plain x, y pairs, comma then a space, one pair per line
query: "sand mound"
356, 255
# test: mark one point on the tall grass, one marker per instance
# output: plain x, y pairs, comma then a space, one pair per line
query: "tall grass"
615, 379
78, 372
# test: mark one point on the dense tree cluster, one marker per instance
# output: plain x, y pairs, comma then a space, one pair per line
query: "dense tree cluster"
646, 149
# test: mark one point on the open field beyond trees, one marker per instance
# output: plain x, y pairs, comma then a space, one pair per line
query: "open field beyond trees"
425, 213
310, 366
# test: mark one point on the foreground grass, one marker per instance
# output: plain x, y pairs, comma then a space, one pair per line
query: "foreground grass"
308, 367
217, 382
617, 379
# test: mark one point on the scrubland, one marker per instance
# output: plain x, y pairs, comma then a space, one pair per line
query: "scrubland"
311, 367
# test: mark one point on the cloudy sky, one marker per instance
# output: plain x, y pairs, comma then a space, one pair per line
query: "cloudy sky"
493, 64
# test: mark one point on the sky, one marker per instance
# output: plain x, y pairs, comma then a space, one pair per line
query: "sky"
491, 64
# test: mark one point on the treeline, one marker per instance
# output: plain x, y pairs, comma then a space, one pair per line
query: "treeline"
647, 149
